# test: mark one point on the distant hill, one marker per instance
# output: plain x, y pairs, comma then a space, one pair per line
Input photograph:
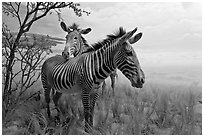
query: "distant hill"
42, 35
32, 39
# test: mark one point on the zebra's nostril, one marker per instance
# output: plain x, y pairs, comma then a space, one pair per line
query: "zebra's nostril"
142, 80
63, 53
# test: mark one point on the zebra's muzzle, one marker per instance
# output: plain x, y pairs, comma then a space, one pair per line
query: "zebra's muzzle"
137, 82
65, 55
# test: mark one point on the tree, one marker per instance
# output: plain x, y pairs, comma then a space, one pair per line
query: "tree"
34, 11
27, 62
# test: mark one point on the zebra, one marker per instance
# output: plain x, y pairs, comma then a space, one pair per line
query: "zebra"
84, 74
76, 45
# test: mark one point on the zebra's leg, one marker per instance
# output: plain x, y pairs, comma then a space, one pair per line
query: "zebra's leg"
113, 83
56, 98
47, 99
103, 87
85, 101
93, 98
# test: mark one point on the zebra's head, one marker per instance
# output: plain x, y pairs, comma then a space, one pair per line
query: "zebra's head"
127, 61
75, 43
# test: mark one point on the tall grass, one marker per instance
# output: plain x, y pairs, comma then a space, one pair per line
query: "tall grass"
151, 110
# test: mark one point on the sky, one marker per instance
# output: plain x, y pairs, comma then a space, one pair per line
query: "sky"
172, 31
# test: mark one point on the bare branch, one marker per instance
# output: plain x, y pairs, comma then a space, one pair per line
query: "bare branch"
7, 9
29, 56
17, 12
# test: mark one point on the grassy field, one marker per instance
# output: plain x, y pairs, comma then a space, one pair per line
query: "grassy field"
148, 111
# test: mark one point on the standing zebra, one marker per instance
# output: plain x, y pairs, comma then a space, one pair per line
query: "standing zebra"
75, 45
84, 73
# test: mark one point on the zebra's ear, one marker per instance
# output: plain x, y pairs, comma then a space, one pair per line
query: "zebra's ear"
127, 36
135, 38
64, 27
85, 31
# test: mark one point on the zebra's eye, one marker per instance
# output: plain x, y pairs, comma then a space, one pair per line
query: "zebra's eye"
129, 53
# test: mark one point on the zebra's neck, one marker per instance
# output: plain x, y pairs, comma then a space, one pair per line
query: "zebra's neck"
103, 60
83, 49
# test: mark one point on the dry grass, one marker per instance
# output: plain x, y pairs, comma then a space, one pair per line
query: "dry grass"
151, 110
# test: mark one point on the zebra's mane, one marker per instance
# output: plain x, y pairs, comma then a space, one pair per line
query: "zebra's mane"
74, 26
84, 41
110, 37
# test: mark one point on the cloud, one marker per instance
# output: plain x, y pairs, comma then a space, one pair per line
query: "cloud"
144, 13
161, 23
182, 34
